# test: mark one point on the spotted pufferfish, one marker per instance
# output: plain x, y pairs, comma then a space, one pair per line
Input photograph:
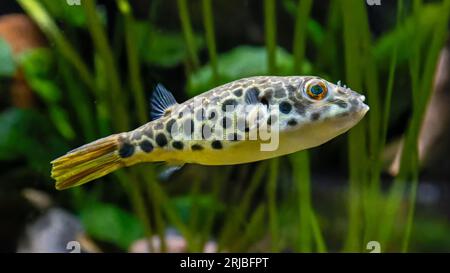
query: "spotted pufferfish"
223, 126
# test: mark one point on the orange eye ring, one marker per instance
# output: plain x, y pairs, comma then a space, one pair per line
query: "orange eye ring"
317, 90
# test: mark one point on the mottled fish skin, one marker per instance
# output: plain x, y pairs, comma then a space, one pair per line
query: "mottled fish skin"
301, 122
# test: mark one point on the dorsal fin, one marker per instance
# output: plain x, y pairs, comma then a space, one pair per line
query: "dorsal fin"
161, 100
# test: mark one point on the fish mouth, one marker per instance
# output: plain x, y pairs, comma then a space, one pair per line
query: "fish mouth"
364, 107
359, 107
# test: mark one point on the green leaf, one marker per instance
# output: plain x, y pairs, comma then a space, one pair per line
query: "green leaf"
204, 204
7, 67
109, 223
161, 48
402, 35
12, 132
38, 66
60, 118
27, 134
314, 29
240, 62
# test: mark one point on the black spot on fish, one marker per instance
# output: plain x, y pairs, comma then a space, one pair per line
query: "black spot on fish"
272, 119
188, 126
237, 92
159, 126
234, 137
290, 88
315, 116
126, 150
161, 140
216, 144
178, 145
354, 103
268, 94
180, 114
285, 107
197, 147
146, 146
300, 108
247, 128
226, 122
344, 114
148, 132
292, 122
200, 115
279, 93
206, 131
341, 103
229, 105
264, 101
170, 126
241, 124
189, 109
212, 115
137, 135
292, 97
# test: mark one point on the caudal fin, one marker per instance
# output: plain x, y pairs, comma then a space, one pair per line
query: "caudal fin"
87, 163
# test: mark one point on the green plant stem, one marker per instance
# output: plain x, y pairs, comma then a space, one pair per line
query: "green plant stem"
437, 43
300, 165
133, 62
409, 158
370, 186
253, 228
415, 62
188, 33
194, 212
318, 237
171, 213
148, 175
83, 111
388, 99
116, 98
303, 12
328, 56
300, 161
210, 38
236, 217
356, 137
270, 31
271, 191
137, 202
217, 182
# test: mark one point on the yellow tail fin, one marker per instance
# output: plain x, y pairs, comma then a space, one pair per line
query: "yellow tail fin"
87, 163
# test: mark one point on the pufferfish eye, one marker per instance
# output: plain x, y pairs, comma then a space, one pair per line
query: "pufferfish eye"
316, 90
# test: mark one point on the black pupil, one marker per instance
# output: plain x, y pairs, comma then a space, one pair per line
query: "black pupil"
316, 90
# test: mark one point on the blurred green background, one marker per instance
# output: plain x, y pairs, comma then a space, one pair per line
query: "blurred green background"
74, 71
